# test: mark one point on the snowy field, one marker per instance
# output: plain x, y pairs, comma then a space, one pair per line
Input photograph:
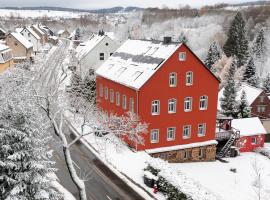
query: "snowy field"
39, 13
218, 178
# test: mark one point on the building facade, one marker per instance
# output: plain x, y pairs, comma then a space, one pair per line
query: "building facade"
32, 37
6, 58
169, 88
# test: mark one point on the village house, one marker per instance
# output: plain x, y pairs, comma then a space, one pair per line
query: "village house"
169, 88
6, 58
32, 37
94, 52
46, 29
40, 33
63, 33
3, 34
252, 133
22, 49
257, 100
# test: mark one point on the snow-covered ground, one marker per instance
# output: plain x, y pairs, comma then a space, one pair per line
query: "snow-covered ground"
218, 178
39, 13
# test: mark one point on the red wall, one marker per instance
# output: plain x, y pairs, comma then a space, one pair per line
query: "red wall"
245, 143
157, 88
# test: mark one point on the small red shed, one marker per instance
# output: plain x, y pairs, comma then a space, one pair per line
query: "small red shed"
252, 133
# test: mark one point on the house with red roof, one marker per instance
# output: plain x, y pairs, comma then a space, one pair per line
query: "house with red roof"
169, 88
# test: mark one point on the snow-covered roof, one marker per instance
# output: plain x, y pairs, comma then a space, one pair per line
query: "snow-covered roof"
136, 61
183, 146
19, 30
60, 32
2, 30
3, 47
251, 93
22, 40
37, 28
249, 126
33, 33
84, 48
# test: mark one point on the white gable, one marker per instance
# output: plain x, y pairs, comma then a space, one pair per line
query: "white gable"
249, 126
251, 93
22, 40
136, 61
38, 29
33, 33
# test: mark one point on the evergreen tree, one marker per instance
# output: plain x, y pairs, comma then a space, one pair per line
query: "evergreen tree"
237, 43
228, 101
77, 34
183, 38
259, 46
250, 74
213, 55
243, 108
266, 84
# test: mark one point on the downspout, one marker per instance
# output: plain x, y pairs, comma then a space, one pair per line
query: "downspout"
137, 110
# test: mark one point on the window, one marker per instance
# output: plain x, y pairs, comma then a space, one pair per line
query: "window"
15, 43
261, 99
111, 54
186, 154
154, 136
117, 94
186, 131
172, 106
188, 104
201, 153
106, 92
101, 56
124, 102
173, 79
28, 34
155, 107
182, 56
131, 105
107, 44
170, 133
189, 78
111, 95
101, 90
203, 102
254, 140
201, 129
261, 109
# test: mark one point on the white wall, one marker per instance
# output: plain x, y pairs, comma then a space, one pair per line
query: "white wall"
31, 38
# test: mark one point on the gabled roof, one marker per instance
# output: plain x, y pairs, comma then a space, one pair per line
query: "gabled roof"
84, 48
32, 32
251, 93
136, 61
2, 30
38, 29
22, 40
249, 126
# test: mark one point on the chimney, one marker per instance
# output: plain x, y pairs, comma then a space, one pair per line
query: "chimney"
167, 40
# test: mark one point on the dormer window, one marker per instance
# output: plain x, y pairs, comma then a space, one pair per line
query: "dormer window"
182, 56
173, 79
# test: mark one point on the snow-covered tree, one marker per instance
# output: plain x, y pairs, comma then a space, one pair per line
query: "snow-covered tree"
243, 108
259, 46
266, 84
250, 74
213, 55
77, 35
237, 42
228, 101
183, 38
25, 157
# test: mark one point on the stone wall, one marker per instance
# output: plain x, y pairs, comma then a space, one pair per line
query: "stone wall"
196, 154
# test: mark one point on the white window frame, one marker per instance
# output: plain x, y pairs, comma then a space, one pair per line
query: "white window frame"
124, 102
173, 79
188, 101
101, 90
171, 133
172, 106
203, 102
189, 78
131, 104
182, 56
111, 95
155, 107
262, 99
117, 98
101, 56
254, 143
201, 129
261, 109
154, 136
106, 93
188, 129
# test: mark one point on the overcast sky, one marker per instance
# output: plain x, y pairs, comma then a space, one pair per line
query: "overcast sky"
88, 4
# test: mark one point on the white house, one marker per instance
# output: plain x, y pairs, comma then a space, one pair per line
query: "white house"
94, 52
32, 37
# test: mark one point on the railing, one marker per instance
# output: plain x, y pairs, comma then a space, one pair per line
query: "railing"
223, 135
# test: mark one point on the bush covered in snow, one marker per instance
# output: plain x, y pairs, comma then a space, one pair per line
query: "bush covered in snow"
264, 151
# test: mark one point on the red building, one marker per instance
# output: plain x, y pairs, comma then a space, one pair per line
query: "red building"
168, 86
252, 133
